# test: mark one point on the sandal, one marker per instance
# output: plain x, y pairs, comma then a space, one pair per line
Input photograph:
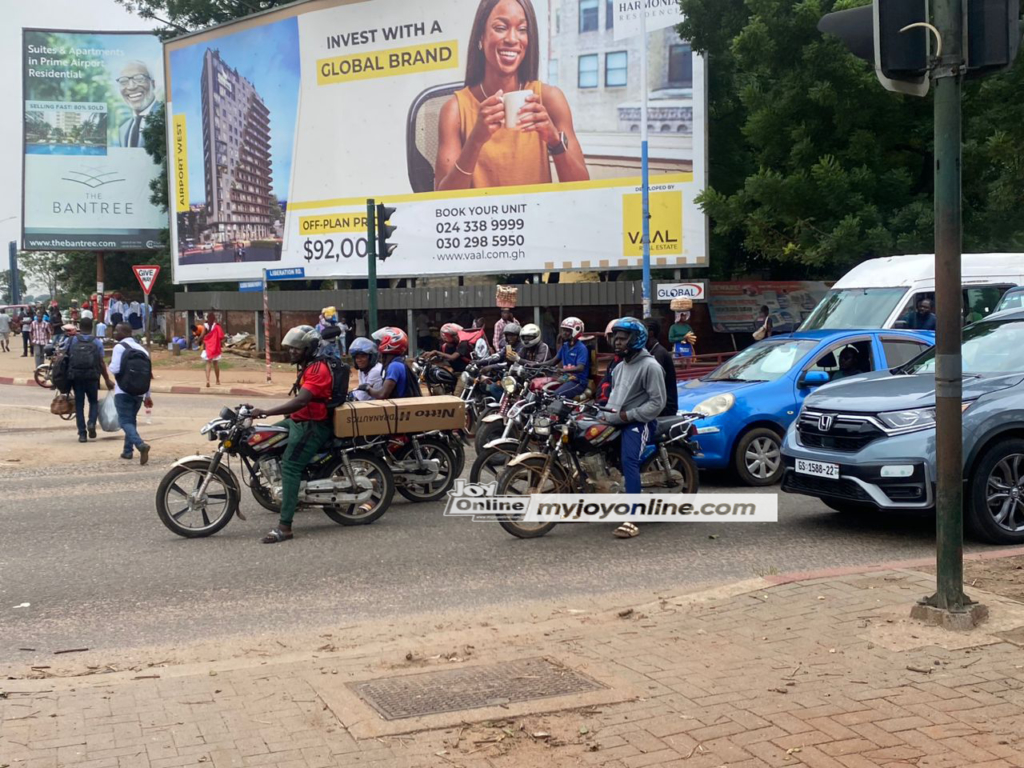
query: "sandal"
276, 536
627, 531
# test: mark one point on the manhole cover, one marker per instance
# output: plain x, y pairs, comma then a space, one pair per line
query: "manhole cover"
452, 690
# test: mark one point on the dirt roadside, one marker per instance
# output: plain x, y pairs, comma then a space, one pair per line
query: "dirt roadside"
1001, 576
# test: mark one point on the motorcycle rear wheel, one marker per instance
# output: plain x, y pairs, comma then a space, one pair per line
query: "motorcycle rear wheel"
436, 489
177, 510
679, 461
379, 474
522, 480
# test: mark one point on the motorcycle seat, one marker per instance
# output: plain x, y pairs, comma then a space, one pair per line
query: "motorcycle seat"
666, 423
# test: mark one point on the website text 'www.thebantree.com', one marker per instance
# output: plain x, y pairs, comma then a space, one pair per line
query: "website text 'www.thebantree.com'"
479, 503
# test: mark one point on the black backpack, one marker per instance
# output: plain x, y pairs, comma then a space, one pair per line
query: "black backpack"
84, 359
412, 381
59, 372
340, 373
136, 371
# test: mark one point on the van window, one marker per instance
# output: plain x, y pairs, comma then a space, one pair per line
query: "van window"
854, 308
909, 317
981, 301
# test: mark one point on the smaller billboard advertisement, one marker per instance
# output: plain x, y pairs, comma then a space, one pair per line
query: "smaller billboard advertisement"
87, 99
740, 307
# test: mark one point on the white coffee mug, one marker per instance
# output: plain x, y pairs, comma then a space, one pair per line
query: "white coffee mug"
514, 101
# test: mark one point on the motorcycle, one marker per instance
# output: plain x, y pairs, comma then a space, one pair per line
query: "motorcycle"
467, 385
514, 440
580, 454
424, 466
44, 373
515, 385
200, 494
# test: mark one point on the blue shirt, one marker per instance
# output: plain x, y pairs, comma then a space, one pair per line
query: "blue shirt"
397, 373
573, 354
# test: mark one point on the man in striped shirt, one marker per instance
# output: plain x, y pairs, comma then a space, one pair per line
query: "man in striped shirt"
40, 334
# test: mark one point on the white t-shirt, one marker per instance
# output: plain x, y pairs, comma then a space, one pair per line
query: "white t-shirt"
5, 323
115, 361
375, 378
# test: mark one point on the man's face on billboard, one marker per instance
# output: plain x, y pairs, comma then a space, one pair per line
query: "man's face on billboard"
137, 86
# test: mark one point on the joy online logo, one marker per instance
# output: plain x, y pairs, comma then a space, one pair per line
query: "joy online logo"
92, 178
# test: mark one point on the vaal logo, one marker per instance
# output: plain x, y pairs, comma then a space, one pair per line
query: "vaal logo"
92, 177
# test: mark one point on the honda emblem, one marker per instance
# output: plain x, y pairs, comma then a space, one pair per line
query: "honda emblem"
825, 422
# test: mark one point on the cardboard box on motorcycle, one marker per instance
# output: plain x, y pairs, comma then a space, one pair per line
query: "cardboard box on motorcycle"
366, 418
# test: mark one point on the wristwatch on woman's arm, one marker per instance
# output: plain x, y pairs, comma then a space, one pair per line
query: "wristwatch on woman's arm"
560, 147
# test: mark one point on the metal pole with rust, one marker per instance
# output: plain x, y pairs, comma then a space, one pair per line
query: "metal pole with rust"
266, 324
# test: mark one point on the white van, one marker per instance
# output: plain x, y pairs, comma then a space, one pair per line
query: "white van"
884, 293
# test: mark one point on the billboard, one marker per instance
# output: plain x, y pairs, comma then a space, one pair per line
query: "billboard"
739, 307
87, 97
505, 132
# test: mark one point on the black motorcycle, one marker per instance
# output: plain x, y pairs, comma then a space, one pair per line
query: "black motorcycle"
200, 494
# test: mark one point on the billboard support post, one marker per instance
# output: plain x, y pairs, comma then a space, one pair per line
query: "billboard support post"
266, 324
15, 279
371, 262
101, 277
645, 169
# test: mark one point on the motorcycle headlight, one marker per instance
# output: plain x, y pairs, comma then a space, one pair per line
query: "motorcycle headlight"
508, 384
542, 426
715, 405
466, 378
909, 421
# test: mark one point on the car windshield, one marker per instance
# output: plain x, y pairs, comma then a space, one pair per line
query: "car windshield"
988, 349
1014, 299
765, 361
854, 308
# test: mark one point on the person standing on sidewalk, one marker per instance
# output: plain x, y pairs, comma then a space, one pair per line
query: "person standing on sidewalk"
212, 341
668, 365
133, 373
85, 367
5, 331
26, 331
41, 334
637, 397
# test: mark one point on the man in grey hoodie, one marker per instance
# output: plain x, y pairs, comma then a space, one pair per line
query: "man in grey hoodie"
637, 398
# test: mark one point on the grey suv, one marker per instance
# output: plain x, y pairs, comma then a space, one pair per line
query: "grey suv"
869, 441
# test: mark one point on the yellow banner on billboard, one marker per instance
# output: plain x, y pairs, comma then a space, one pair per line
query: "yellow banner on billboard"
413, 59
666, 224
331, 224
181, 198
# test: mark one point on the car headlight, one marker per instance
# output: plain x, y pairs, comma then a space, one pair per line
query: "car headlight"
716, 404
917, 418
508, 384
542, 426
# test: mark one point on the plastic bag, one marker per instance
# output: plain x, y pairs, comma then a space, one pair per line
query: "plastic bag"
108, 414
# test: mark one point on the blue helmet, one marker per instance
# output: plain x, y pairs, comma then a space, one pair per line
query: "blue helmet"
363, 346
637, 331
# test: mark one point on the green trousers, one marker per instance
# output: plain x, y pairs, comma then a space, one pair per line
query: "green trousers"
305, 439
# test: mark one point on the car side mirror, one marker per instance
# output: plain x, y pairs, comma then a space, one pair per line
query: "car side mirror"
902, 324
814, 379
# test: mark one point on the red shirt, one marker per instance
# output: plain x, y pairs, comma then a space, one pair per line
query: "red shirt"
317, 379
212, 342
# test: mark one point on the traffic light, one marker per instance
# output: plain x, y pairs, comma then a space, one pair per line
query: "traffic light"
991, 35
873, 33
384, 231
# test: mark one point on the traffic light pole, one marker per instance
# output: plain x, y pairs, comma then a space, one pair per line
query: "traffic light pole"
949, 605
371, 262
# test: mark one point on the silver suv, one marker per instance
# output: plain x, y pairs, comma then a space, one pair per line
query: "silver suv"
869, 441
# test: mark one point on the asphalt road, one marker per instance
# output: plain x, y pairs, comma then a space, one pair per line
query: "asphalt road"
83, 545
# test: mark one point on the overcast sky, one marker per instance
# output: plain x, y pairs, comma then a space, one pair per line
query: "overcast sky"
99, 15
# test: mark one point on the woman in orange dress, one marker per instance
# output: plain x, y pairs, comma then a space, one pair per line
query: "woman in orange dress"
475, 149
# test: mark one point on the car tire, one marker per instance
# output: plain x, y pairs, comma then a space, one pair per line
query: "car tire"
758, 457
848, 507
997, 489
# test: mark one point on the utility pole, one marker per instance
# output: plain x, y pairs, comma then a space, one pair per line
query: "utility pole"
371, 263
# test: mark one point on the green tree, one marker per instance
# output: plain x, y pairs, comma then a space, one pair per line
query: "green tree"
45, 267
5, 286
815, 167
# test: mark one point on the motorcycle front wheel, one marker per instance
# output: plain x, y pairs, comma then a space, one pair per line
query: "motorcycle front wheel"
524, 479
437, 488
43, 375
187, 513
378, 473
490, 463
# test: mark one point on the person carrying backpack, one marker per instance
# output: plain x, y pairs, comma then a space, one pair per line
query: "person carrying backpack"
85, 366
322, 384
133, 372
399, 380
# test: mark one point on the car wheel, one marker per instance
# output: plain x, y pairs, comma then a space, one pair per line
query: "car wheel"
758, 457
996, 510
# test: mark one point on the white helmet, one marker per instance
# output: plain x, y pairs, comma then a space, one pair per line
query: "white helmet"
303, 338
530, 335
575, 327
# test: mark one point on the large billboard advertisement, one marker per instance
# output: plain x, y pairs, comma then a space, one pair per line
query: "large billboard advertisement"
87, 97
505, 132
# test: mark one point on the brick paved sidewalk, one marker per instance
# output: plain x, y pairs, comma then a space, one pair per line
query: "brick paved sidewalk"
827, 673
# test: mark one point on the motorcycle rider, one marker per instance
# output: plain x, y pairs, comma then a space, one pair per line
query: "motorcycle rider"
367, 361
307, 423
668, 365
637, 397
399, 381
530, 348
457, 353
511, 338
604, 389
573, 358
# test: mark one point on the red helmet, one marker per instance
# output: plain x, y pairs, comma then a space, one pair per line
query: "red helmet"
575, 327
391, 341
450, 332
608, 329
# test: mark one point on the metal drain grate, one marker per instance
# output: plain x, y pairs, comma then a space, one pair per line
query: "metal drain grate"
452, 690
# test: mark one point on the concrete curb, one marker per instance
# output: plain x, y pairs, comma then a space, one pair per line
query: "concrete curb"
169, 389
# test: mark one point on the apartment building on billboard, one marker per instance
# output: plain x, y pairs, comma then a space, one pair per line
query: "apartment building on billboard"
236, 155
600, 77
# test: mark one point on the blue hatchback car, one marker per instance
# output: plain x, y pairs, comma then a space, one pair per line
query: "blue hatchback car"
750, 400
